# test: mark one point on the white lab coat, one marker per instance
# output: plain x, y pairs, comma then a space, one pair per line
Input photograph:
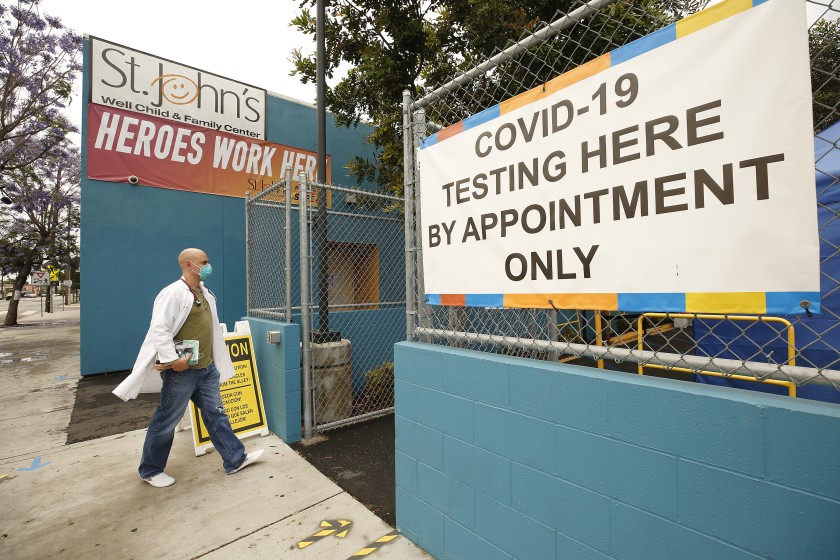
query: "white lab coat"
171, 309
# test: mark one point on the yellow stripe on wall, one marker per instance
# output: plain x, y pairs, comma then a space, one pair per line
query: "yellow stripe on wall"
711, 16
577, 74
604, 302
563, 80
736, 302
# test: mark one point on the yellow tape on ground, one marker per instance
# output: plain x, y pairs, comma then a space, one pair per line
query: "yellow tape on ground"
370, 549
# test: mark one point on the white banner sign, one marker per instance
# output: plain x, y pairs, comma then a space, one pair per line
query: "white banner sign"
143, 83
673, 174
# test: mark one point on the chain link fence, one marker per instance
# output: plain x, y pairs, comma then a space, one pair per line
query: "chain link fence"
788, 351
339, 271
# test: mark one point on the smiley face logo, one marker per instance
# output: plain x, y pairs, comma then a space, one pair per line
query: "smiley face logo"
177, 89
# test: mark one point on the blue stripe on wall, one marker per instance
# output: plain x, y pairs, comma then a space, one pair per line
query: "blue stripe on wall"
789, 302
674, 303
485, 300
647, 43
429, 141
482, 117
433, 299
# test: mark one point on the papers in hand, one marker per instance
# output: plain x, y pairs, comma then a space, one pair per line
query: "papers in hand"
186, 349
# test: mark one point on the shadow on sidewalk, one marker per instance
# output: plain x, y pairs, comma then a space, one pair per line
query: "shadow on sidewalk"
98, 413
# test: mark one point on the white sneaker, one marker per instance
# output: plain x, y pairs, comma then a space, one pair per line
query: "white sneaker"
249, 458
160, 480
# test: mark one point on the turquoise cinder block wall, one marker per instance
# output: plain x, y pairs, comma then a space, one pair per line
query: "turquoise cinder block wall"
279, 369
500, 458
131, 236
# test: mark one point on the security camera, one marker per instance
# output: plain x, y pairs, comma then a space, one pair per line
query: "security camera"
133, 179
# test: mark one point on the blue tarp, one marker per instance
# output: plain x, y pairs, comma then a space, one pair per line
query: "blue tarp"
818, 336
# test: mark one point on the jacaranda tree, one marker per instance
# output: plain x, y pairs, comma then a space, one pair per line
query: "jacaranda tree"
39, 171
39, 59
38, 228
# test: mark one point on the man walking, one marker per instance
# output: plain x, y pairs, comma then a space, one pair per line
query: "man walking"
184, 310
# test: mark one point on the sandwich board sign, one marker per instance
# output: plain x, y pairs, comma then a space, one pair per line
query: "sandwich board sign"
40, 278
241, 396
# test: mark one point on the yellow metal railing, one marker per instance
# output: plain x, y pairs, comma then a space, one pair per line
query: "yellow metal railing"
575, 321
791, 344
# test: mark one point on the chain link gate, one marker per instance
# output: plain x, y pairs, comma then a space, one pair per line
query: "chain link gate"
791, 351
351, 287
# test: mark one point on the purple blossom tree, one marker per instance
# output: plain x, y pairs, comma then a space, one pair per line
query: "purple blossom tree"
39, 60
39, 170
37, 228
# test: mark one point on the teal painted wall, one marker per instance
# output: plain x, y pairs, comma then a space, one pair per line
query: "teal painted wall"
500, 458
131, 237
279, 369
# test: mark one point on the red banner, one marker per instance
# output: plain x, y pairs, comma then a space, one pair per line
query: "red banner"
170, 155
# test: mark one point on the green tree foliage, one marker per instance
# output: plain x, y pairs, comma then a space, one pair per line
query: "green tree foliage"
36, 228
388, 46
824, 42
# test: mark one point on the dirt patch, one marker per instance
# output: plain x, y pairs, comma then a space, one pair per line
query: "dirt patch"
98, 413
360, 459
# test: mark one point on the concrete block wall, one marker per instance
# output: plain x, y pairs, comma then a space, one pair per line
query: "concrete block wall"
279, 369
500, 457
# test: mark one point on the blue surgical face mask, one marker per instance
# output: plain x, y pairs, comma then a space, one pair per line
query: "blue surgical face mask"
205, 271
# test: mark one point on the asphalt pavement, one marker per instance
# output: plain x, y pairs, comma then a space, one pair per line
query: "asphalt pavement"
85, 500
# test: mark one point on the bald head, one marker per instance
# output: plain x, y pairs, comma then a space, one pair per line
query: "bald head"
191, 260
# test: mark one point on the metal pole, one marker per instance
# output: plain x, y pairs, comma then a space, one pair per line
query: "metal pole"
306, 350
422, 308
321, 217
287, 257
553, 333
408, 194
248, 305
67, 277
760, 370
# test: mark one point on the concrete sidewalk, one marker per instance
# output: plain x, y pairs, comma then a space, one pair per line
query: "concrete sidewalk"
86, 501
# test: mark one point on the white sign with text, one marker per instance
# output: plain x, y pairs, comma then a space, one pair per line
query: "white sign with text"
688, 168
143, 83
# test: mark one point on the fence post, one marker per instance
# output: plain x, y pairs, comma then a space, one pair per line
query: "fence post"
306, 349
287, 257
247, 253
408, 195
420, 287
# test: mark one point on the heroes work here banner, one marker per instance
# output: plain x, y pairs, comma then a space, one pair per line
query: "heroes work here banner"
675, 173
163, 153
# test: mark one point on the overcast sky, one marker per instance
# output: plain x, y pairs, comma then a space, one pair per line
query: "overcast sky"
247, 40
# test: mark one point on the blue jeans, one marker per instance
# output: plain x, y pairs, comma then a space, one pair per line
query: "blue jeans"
202, 387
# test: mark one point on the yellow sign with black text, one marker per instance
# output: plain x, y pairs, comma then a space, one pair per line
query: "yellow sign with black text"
241, 395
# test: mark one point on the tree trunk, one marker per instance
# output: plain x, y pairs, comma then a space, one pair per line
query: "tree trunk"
20, 282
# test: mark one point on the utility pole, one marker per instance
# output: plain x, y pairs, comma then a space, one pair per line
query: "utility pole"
68, 277
323, 334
